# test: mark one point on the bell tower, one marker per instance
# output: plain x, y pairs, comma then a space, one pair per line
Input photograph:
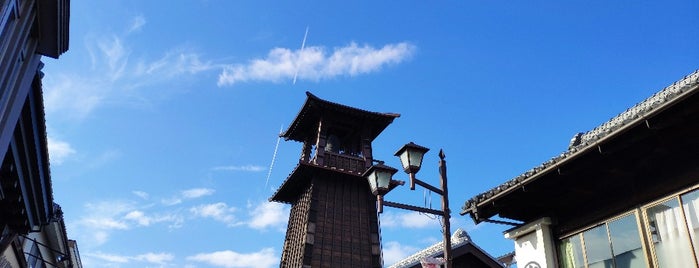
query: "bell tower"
333, 221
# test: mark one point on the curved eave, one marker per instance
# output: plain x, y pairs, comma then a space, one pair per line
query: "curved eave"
307, 119
301, 176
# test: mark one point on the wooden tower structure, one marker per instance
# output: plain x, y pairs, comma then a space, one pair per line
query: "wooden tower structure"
333, 221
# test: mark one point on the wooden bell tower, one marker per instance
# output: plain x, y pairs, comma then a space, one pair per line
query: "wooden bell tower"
333, 221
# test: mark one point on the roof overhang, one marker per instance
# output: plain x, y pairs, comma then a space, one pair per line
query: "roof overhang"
306, 122
641, 155
26, 180
302, 175
54, 19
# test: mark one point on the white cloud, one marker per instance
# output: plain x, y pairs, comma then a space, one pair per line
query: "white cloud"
269, 214
150, 257
197, 192
108, 257
73, 96
137, 24
312, 63
115, 75
394, 252
409, 220
103, 158
103, 218
59, 150
187, 194
139, 217
141, 194
217, 211
116, 56
264, 258
171, 201
104, 223
174, 63
99, 220
105, 215
157, 258
98, 237
248, 168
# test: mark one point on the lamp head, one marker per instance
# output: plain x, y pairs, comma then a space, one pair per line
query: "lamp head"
379, 177
411, 157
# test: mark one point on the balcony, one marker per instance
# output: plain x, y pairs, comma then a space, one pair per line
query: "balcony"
341, 162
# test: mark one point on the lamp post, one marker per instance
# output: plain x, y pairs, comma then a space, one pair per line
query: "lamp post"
411, 154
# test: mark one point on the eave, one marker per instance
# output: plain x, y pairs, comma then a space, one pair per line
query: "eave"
314, 108
302, 175
53, 24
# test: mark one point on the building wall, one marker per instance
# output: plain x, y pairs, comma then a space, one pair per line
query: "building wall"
31, 229
295, 247
346, 223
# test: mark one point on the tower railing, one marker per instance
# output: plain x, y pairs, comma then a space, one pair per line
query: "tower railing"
344, 162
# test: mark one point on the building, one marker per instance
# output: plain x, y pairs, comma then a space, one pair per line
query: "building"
49, 247
32, 233
625, 194
333, 221
74, 254
465, 254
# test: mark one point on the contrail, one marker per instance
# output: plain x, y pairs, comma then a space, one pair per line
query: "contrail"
303, 44
274, 156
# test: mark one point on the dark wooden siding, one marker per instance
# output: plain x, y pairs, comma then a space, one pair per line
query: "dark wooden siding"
346, 223
295, 242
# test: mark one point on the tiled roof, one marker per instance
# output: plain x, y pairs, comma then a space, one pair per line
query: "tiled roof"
585, 141
307, 118
459, 238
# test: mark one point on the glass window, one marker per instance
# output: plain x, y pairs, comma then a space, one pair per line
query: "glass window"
597, 248
626, 242
616, 243
669, 236
690, 203
33, 257
571, 254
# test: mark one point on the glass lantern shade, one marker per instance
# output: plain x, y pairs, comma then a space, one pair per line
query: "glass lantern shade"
411, 157
379, 178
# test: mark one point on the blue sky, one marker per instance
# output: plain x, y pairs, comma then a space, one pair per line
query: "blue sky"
163, 118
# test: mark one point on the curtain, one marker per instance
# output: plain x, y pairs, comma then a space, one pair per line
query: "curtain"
690, 203
672, 248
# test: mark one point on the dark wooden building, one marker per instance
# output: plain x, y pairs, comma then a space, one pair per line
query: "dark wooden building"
29, 29
333, 221
625, 194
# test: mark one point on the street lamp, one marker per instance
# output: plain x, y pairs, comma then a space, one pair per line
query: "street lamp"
411, 158
411, 154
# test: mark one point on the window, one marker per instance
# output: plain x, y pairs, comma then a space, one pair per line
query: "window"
672, 227
690, 203
34, 259
626, 242
612, 244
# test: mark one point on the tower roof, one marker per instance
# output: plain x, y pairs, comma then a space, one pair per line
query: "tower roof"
305, 123
303, 173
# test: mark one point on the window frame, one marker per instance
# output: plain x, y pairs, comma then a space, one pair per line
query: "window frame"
636, 212
649, 238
